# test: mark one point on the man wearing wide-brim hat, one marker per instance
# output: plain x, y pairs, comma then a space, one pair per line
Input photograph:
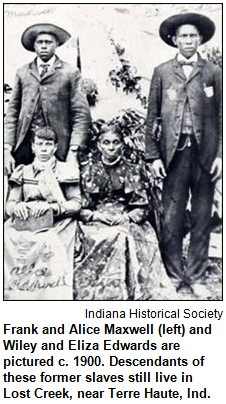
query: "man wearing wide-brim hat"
186, 95
46, 92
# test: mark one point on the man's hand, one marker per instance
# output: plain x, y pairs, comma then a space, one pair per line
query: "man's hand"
72, 158
21, 210
9, 162
158, 169
216, 169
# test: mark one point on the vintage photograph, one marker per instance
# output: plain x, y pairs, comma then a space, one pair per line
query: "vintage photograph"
113, 152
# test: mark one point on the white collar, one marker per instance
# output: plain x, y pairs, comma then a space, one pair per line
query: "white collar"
42, 166
108, 163
50, 61
193, 58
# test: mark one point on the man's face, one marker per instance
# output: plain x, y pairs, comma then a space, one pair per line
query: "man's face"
187, 40
43, 149
45, 46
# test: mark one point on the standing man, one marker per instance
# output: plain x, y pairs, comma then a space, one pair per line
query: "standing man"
186, 95
46, 93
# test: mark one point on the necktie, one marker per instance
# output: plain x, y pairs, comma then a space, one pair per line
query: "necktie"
187, 63
44, 69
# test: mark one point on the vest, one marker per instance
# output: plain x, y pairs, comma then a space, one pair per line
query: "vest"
38, 120
187, 125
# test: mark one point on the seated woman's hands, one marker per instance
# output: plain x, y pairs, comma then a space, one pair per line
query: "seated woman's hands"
38, 208
102, 217
21, 210
34, 208
109, 219
119, 218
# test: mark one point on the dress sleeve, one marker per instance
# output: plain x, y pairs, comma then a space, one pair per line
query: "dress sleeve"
17, 175
86, 213
136, 185
72, 205
16, 191
88, 186
137, 198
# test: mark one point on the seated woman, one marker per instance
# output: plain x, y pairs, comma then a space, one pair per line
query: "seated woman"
120, 258
40, 232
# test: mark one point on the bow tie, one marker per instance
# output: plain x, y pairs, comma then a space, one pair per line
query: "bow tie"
44, 69
187, 63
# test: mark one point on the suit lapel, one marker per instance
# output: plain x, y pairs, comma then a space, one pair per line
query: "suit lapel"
178, 69
52, 70
34, 70
197, 69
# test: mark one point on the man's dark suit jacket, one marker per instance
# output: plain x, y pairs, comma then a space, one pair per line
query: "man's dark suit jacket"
168, 93
64, 105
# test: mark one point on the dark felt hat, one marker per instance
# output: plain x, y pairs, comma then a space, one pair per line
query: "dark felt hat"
205, 26
30, 34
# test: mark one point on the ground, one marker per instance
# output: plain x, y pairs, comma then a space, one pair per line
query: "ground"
210, 286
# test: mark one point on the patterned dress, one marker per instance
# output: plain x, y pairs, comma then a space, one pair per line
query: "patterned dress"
39, 262
119, 262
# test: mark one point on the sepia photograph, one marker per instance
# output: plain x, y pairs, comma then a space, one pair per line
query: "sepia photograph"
113, 152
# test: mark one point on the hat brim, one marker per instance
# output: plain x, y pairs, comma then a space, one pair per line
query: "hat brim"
30, 34
205, 26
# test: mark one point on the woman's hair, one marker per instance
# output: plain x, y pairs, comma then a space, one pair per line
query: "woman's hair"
46, 133
110, 128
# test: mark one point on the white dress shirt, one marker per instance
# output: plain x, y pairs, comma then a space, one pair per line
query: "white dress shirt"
40, 63
187, 69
